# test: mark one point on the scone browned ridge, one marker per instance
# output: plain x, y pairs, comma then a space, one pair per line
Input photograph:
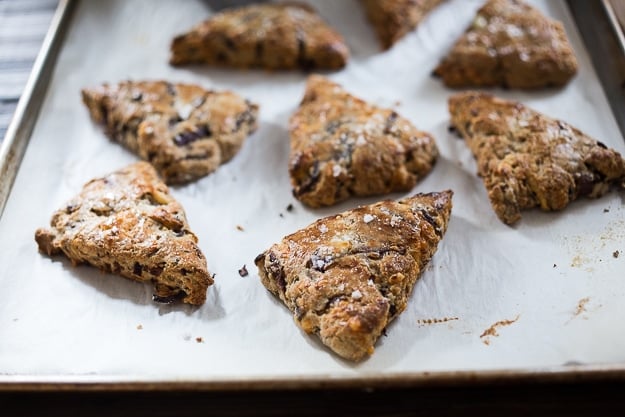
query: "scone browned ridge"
342, 146
510, 44
127, 223
393, 19
278, 36
527, 159
346, 277
185, 131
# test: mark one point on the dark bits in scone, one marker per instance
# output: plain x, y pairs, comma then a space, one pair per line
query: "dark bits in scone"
127, 223
347, 276
183, 130
393, 19
527, 159
510, 44
342, 146
271, 36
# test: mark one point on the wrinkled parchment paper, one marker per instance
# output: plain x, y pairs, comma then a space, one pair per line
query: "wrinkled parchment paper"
547, 292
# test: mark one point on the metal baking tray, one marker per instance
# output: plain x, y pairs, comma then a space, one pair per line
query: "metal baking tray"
598, 25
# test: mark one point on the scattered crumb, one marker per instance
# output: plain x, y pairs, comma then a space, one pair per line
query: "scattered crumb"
243, 271
492, 330
436, 321
397, 103
554, 265
581, 306
616, 253
199, 340
281, 215
139, 327
239, 228
606, 210
289, 208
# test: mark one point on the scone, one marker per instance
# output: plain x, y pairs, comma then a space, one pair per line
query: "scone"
510, 44
393, 19
527, 159
271, 36
185, 131
342, 146
127, 223
345, 277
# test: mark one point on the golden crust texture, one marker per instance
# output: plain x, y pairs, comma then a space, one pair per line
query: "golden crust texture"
510, 44
342, 146
270, 36
183, 130
345, 277
527, 159
393, 19
128, 224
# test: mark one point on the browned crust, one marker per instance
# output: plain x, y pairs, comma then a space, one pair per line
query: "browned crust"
510, 44
271, 36
393, 19
185, 131
342, 146
527, 159
128, 224
345, 277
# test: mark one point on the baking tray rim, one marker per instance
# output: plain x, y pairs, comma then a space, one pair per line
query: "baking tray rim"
11, 152
575, 373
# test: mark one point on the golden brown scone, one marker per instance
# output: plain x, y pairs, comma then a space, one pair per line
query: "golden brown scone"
345, 277
342, 146
510, 44
127, 223
527, 159
393, 19
272, 36
185, 131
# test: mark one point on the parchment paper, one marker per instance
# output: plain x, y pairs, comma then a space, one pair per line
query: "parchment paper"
554, 281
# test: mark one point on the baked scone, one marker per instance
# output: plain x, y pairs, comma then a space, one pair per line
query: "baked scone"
510, 44
345, 277
271, 36
185, 131
393, 19
342, 146
527, 159
127, 223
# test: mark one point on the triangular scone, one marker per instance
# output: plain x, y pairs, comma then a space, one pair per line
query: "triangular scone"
342, 146
527, 159
127, 223
345, 277
393, 19
185, 131
510, 44
271, 36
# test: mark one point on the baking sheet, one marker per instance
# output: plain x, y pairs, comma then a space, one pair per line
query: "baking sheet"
542, 295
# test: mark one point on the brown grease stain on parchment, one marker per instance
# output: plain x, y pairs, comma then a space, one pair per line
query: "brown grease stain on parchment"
492, 330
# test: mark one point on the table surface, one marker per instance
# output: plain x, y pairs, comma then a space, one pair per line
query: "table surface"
23, 25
